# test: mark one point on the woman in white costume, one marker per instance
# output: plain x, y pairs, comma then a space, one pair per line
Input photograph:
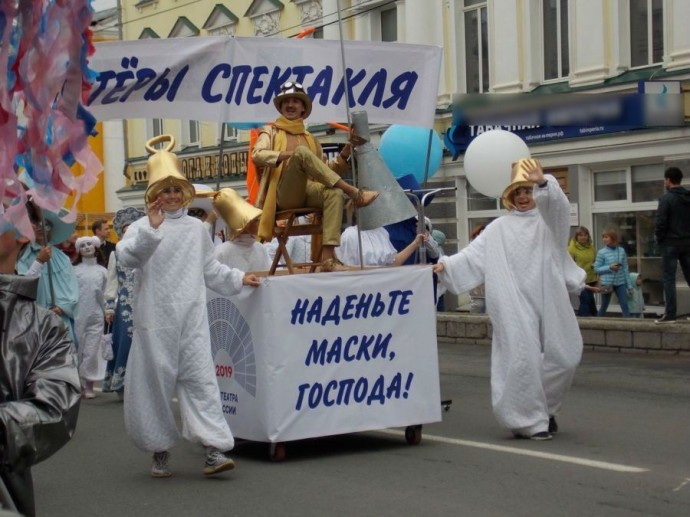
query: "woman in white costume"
88, 325
171, 350
523, 262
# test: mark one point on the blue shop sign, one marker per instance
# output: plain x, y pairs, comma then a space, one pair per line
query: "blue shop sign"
547, 118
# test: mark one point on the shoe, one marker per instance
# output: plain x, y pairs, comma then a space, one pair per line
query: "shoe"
665, 319
217, 462
553, 426
332, 264
159, 467
365, 198
541, 436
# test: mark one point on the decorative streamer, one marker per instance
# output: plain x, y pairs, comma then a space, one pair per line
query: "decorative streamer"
44, 127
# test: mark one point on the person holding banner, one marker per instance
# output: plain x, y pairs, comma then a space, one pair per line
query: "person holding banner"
171, 351
293, 173
241, 250
523, 262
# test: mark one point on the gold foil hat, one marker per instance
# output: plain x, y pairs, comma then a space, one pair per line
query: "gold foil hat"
164, 170
518, 178
235, 211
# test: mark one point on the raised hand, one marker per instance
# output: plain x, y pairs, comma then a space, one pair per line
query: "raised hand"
155, 213
534, 171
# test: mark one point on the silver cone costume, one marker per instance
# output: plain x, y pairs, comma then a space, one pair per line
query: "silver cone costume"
39, 387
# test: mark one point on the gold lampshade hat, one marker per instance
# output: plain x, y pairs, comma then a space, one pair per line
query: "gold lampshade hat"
518, 178
235, 211
164, 170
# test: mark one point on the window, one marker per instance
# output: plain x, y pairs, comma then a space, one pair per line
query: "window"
555, 26
389, 25
472, 17
646, 32
154, 127
230, 133
191, 134
610, 186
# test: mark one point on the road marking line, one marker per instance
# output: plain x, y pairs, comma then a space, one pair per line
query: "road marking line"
685, 482
524, 452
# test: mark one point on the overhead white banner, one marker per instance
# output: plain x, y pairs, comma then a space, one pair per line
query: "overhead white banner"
323, 354
235, 79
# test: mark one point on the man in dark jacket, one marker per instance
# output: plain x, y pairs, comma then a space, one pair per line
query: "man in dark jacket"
673, 236
39, 383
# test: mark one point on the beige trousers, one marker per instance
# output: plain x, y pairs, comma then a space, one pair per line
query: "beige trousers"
308, 182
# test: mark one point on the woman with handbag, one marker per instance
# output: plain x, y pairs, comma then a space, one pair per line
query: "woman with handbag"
611, 265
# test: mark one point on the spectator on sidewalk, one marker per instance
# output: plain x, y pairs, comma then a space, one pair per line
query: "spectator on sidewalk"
672, 233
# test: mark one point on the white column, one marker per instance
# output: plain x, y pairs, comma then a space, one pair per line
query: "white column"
505, 47
423, 24
590, 36
330, 16
677, 42
113, 162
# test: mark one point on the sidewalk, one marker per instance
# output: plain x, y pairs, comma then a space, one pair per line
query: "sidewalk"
614, 334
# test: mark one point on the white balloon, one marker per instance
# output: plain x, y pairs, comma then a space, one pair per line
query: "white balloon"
489, 159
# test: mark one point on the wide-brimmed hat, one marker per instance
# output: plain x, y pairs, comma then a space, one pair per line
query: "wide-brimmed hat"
235, 211
164, 171
125, 217
293, 90
518, 178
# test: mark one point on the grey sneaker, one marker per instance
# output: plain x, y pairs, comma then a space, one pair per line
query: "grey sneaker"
159, 467
216, 462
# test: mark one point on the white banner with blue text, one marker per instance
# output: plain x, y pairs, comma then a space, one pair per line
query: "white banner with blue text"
223, 79
311, 355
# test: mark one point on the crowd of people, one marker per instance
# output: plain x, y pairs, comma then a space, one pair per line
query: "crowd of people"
150, 292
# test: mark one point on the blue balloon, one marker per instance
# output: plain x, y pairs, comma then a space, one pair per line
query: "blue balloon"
404, 151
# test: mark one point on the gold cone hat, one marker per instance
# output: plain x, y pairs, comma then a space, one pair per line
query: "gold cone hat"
235, 211
518, 178
164, 170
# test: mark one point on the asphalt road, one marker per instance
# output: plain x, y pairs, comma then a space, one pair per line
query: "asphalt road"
623, 449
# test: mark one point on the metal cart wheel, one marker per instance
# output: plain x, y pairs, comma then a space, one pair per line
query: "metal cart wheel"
277, 451
413, 434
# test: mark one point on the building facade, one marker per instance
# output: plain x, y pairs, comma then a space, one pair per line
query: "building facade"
527, 47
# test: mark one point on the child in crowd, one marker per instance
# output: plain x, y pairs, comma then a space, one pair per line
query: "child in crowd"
241, 250
611, 265
88, 325
635, 297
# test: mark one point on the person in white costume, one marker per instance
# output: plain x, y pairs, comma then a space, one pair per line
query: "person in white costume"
523, 262
377, 249
171, 351
88, 325
242, 250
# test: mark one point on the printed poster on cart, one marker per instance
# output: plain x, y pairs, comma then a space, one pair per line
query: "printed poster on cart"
321, 354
